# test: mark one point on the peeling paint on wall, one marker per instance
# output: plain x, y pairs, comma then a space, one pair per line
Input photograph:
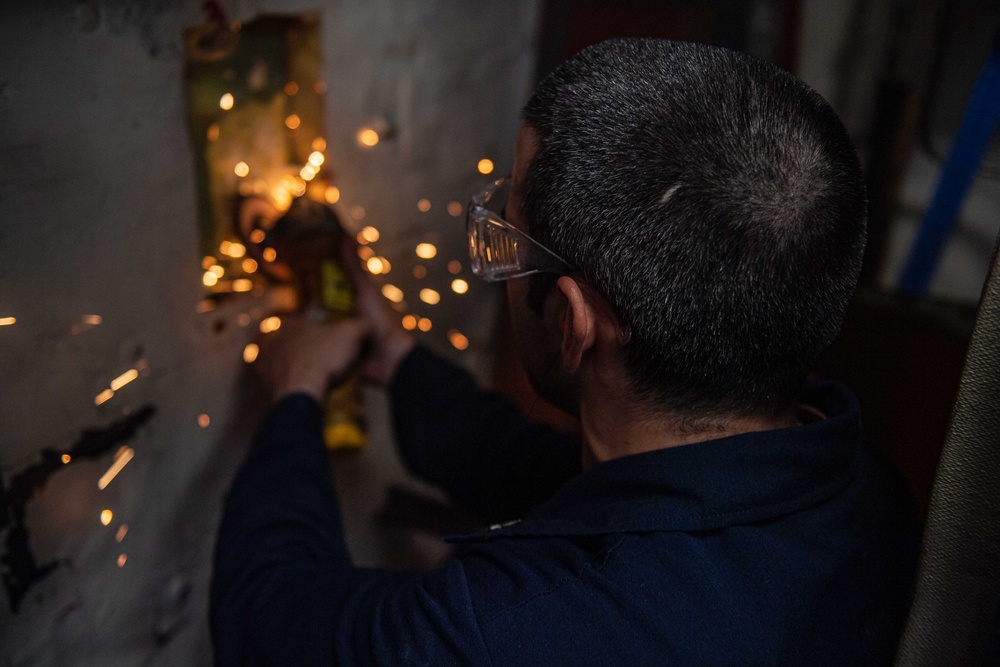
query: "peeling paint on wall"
99, 267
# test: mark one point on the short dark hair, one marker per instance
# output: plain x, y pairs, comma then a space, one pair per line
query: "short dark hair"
715, 200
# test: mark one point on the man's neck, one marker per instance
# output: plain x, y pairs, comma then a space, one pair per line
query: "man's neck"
615, 424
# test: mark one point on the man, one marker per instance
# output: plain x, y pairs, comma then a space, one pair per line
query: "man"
683, 231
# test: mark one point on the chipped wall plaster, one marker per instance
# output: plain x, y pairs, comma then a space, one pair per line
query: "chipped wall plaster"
97, 216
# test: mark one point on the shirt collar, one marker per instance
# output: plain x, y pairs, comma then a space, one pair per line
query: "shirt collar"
735, 480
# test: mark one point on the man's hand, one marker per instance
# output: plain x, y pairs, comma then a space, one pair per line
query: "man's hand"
390, 342
302, 356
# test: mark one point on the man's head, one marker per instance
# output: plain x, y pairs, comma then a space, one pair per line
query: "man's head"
715, 201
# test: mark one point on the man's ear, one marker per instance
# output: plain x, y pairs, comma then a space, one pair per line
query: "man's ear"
577, 324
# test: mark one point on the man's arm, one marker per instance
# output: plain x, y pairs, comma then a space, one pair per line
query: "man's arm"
475, 444
284, 591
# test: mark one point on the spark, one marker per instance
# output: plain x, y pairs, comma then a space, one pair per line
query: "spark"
426, 250
124, 379
392, 293
269, 324
457, 339
232, 249
122, 458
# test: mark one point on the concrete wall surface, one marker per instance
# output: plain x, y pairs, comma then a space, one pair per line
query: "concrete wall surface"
97, 218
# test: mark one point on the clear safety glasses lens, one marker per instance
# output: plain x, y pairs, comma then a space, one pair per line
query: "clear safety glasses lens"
499, 251
495, 251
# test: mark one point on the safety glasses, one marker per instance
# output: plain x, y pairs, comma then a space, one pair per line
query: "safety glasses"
497, 249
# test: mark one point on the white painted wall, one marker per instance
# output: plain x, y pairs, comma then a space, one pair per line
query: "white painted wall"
97, 216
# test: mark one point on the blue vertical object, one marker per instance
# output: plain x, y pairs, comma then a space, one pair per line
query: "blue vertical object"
981, 116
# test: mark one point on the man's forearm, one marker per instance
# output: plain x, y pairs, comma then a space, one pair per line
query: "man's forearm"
282, 513
284, 590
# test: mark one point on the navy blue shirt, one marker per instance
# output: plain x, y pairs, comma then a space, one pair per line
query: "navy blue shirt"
783, 547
